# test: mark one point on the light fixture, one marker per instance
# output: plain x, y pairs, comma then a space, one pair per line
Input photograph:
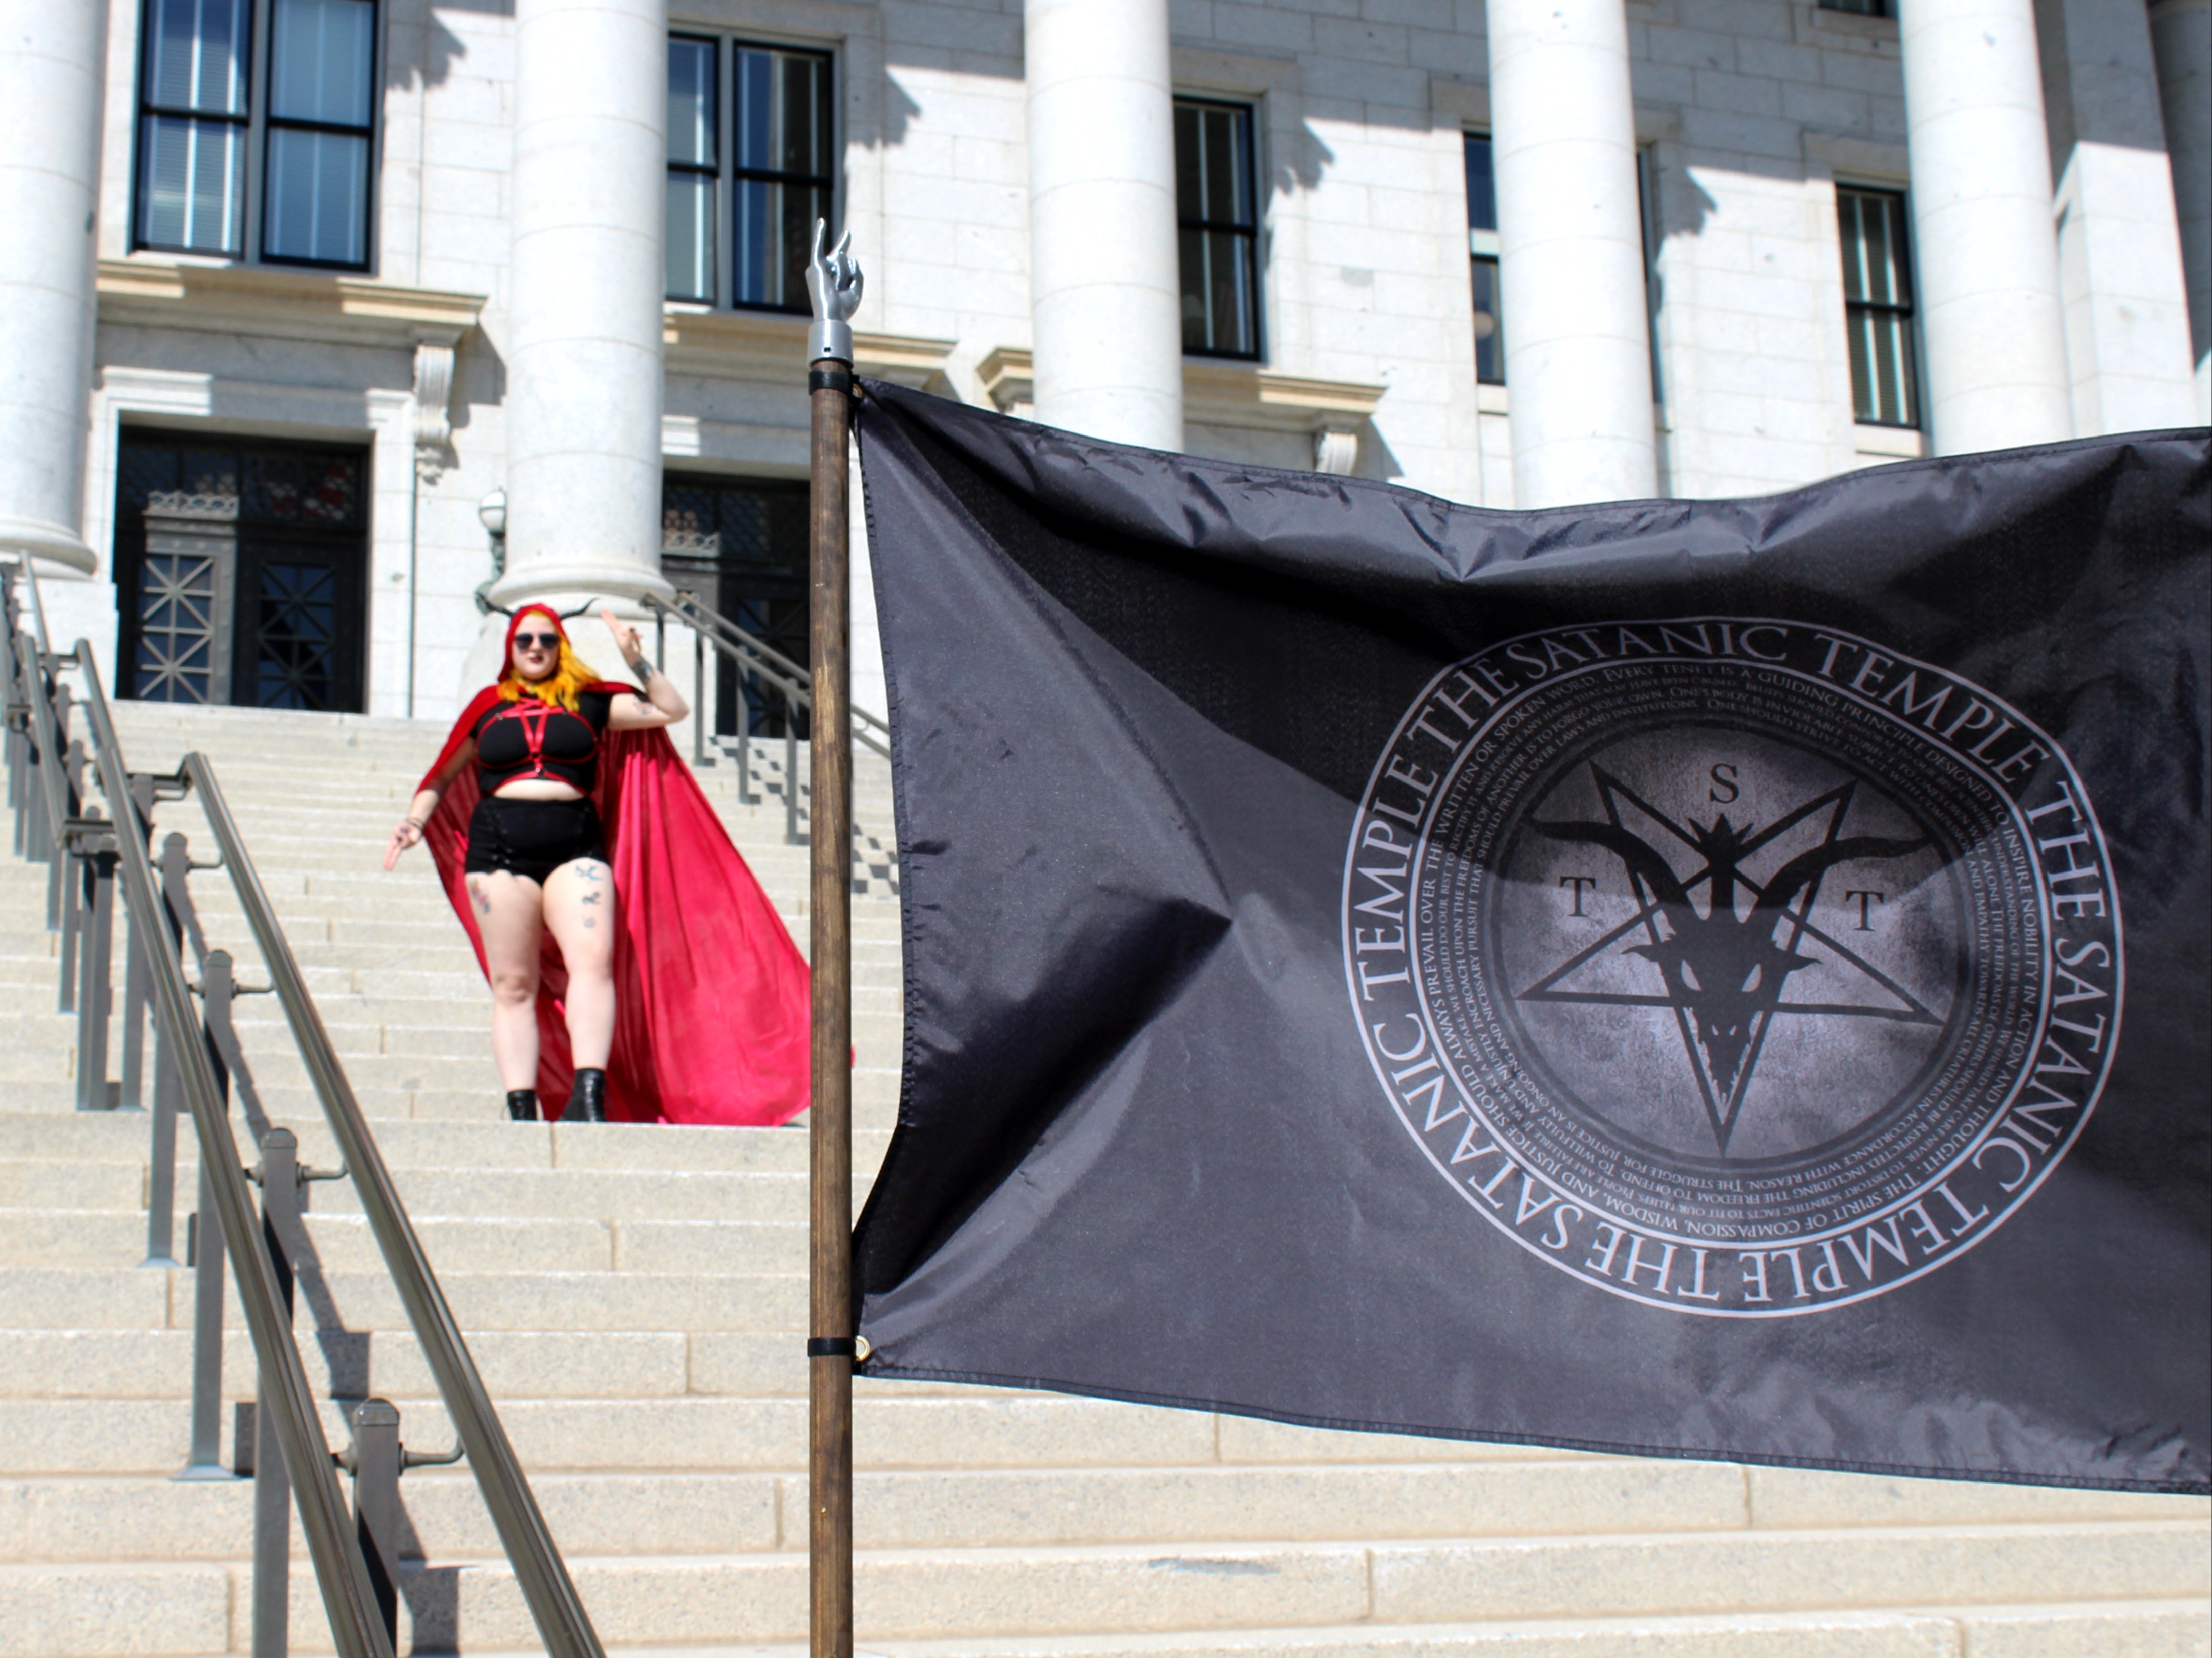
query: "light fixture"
492, 509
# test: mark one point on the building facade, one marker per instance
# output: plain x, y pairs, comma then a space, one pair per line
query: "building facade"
327, 324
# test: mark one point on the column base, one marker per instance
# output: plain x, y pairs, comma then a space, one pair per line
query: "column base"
566, 585
53, 544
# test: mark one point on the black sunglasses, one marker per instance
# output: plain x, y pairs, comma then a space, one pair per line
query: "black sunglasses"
551, 642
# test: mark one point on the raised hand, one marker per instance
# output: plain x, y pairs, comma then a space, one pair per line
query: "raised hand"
627, 640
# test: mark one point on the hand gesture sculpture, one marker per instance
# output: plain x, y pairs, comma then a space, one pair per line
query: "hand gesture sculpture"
833, 283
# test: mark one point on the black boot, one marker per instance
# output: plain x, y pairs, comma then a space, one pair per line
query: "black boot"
588, 1103
522, 1104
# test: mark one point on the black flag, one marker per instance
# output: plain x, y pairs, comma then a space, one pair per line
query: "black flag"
1714, 979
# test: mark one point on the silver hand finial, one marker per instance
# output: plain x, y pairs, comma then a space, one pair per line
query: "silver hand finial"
833, 283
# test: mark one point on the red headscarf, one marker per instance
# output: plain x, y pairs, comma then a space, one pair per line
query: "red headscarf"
711, 1013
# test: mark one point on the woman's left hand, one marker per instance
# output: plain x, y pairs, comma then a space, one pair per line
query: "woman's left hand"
627, 640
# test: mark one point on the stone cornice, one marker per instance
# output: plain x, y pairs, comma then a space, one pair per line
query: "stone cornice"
1215, 392
280, 304
771, 345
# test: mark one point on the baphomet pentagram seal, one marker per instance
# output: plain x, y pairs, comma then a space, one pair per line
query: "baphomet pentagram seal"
1734, 966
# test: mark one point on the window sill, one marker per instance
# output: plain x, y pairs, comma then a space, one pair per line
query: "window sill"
279, 302
1816, 21
1490, 399
1223, 392
1889, 442
772, 345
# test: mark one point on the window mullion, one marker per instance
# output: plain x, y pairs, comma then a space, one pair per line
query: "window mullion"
257, 129
725, 160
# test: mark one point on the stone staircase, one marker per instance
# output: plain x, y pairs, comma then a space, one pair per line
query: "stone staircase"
635, 1298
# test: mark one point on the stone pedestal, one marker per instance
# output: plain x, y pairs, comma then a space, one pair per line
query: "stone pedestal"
1989, 308
1105, 302
1570, 252
584, 323
52, 57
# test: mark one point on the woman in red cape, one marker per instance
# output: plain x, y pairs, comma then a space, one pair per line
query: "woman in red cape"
636, 967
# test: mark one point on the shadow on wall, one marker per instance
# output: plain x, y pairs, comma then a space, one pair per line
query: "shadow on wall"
441, 49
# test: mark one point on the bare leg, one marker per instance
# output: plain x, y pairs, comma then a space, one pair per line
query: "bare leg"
580, 907
508, 914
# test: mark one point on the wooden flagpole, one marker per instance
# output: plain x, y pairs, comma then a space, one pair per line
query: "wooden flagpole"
834, 281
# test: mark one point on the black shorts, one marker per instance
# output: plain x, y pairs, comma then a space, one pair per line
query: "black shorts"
531, 838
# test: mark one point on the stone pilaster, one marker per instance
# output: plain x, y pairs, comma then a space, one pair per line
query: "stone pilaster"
52, 59
1105, 293
1578, 341
1990, 306
584, 319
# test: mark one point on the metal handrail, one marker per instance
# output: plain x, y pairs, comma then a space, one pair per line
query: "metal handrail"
562, 1624
359, 1617
751, 652
333, 1545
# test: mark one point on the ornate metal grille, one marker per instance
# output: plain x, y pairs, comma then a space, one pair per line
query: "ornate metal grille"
741, 546
295, 644
241, 572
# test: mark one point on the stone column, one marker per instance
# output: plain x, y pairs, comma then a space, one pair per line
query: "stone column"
1570, 252
2119, 247
51, 58
1981, 211
1105, 284
584, 319
2181, 38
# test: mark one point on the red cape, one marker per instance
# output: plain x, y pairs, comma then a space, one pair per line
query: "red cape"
711, 1010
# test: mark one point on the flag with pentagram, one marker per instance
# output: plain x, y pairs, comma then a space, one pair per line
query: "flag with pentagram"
1714, 979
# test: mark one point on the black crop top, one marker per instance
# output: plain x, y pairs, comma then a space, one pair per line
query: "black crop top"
528, 738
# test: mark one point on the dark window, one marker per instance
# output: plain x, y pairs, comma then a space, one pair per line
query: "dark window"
1878, 307
322, 65
751, 147
741, 544
1863, 7
1482, 254
192, 126
242, 572
1218, 214
221, 124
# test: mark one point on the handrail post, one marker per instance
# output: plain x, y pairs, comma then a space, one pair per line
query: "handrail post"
161, 1195
137, 991
272, 1488
834, 281
62, 798
375, 1463
791, 835
161, 1226
67, 866
699, 683
207, 1250
94, 996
